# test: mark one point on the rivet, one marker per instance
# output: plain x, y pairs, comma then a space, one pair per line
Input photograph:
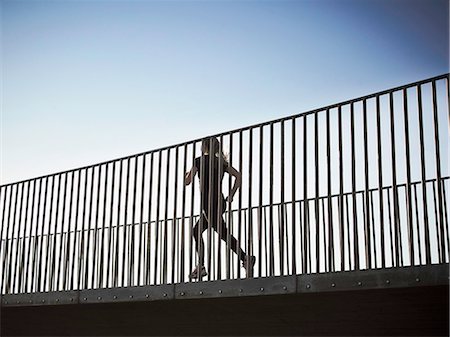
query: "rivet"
360, 283
201, 292
165, 295
333, 285
57, 300
99, 298
85, 299
284, 288
71, 300
43, 301
31, 301
6, 302
182, 293
131, 296
387, 281
147, 295
262, 289
220, 291
417, 279
241, 290
308, 286
115, 297
18, 302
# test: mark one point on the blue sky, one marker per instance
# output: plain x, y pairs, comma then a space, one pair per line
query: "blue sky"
87, 81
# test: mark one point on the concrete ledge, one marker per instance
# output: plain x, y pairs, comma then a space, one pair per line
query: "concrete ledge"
416, 276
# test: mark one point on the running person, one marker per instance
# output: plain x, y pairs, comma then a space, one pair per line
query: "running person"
211, 146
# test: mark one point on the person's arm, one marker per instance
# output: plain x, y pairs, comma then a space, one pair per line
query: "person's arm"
190, 175
237, 181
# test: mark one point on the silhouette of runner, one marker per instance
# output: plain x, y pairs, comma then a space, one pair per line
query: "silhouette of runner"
212, 155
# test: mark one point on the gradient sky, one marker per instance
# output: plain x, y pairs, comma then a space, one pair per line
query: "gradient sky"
87, 81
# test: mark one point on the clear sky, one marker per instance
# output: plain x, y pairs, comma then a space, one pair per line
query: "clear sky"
87, 81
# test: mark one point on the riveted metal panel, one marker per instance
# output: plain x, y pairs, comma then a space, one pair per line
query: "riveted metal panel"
373, 279
47, 298
127, 294
234, 288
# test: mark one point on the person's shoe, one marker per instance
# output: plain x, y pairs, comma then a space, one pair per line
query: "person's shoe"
248, 264
195, 273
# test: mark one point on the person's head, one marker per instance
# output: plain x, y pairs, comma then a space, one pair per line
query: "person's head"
210, 145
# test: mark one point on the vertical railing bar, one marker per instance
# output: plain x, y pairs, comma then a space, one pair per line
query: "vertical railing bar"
419, 245
46, 266
330, 204
348, 232
141, 222
316, 191
397, 232
86, 275
260, 197
271, 236
240, 201
110, 241
62, 236
294, 155
133, 227
286, 236
18, 246
266, 245
364, 212
27, 278
366, 191
13, 273
390, 227
305, 253
22, 258
158, 194
183, 212
408, 178
33, 283
355, 215
192, 219
372, 215
149, 221
72, 286
229, 213
119, 199
326, 262
438, 168
174, 227
281, 210
219, 217
125, 224
95, 229
210, 206
102, 240
42, 235
380, 184
300, 239
82, 233
67, 250
423, 172
341, 192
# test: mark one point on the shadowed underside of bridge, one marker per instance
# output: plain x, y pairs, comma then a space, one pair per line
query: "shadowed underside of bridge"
398, 301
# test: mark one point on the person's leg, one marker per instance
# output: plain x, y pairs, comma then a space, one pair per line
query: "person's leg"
223, 232
199, 244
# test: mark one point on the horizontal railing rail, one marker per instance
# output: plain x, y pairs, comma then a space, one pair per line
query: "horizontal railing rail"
355, 185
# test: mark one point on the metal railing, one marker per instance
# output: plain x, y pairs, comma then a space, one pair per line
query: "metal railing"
357, 185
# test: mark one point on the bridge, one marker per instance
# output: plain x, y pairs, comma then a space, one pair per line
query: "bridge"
343, 207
